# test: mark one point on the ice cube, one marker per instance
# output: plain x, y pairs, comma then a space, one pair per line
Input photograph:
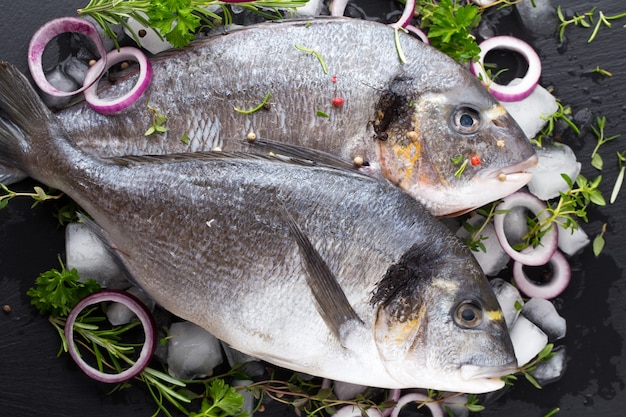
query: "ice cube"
537, 17
530, 113
528, 340
509, 298
572, 241
456, 404
253, 366
544, 315
118, 314
86, 252
493, 259
311, 8
346, 390
192, 351
249, 401
554, 160
151, 41
516, 225
551, 370
57, 78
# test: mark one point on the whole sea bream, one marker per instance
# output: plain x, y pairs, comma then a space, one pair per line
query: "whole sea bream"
416, 124
308, 266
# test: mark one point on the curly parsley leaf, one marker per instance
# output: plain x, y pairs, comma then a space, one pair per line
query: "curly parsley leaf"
57, 292
449, 25
175, 19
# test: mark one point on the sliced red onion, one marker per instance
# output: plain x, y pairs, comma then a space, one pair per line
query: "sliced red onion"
528, 83
419, 33
108, 106
407, 15
435, 408
142, 314
394, 395
48, 32
561, 274
536, 256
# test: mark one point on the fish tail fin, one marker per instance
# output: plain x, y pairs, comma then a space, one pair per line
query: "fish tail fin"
23, 117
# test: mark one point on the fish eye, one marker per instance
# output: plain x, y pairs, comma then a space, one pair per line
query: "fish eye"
465, 120
468, 315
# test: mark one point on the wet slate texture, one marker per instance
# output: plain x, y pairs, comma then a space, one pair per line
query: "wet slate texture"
34, 382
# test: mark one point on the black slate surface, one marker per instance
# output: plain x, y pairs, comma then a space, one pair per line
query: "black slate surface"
34, 382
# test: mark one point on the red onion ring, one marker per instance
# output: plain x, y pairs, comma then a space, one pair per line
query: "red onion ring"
559, 281
144, 316
539, 255
45, 34
122, 102
529, 81
419, 33
435, 408
407, 15
394, 395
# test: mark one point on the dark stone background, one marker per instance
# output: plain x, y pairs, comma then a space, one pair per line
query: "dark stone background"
34, 382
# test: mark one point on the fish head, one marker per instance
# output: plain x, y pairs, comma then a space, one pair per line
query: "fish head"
439, 325
454, 149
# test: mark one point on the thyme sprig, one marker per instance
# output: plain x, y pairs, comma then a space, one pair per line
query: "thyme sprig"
38, 194
546, 353
561, 114
475, 238
571, 205
586, 20
596, 159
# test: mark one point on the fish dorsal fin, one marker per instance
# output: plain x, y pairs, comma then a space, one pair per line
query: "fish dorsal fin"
135, 160
299, 153
331, 301
259, 149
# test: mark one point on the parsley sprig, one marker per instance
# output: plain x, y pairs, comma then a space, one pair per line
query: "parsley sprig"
449, 24
56, 292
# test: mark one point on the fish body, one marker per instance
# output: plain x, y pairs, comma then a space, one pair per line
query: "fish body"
307, 266
414, 123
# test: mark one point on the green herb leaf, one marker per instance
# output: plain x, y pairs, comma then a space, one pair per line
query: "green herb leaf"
598, 242
256, 108
222, 401
319, 56
321, 113
57, 292
596, 161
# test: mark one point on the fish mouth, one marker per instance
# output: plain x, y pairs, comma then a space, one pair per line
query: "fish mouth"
493, 184
514, 174
473, 372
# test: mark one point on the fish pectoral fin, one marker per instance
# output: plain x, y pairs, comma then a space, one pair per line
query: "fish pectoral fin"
113, 252
331, 301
